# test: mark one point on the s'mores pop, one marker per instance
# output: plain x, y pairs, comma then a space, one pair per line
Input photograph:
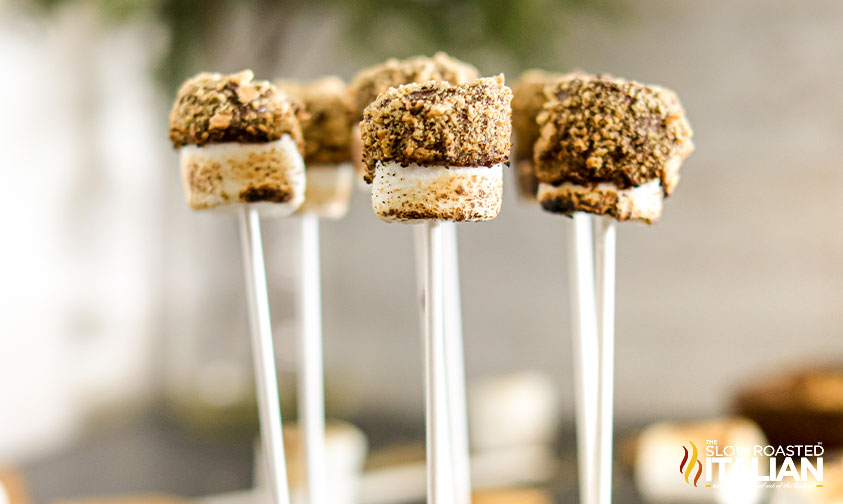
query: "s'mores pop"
609, 147
241, 148
364, 89
608, 150
527, 101
329, 184
327, 144
436, 151
240, 141
371, 82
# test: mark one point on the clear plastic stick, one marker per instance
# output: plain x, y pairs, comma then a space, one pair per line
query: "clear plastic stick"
264, 355
586, 370
604, 244
455, 369
439, 485
311, 391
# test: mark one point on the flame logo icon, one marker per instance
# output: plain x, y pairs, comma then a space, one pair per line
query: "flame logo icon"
687, 466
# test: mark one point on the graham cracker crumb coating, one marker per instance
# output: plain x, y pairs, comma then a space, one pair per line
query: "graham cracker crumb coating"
528, 98
439, 124
603, 129
216, 108
374, 81
327, 126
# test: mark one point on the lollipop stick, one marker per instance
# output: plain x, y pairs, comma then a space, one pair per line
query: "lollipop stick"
439, 486
420, 244
453, 402
585, 353
604, 241
264, 355
310, 383
455, 368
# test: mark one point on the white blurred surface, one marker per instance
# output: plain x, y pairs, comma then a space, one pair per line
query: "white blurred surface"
77, 306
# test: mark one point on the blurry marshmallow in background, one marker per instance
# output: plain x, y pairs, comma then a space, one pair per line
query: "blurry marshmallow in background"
346, 448
514, 420
513, 423
77, 308
518, 409
802, 405
660, 462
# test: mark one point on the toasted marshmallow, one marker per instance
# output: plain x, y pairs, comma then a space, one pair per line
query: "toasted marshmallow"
328, 190
641, 203
269, 174
346, 448
518, 409
454, 193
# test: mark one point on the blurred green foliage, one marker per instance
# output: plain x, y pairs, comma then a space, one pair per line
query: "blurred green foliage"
521, 31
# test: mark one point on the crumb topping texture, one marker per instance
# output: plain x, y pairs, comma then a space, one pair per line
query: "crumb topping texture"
602, 129
439, 124
327, 125
528, 98
374, 81
216, 108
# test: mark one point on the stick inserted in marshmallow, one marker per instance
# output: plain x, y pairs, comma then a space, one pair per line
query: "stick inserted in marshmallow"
367, 85
326, 129
608, 150
435, 153
241, 145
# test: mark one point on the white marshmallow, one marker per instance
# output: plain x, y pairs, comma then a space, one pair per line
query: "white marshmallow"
224, 174
455, 193
346, 448
328, 190
518, 409
642, 203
